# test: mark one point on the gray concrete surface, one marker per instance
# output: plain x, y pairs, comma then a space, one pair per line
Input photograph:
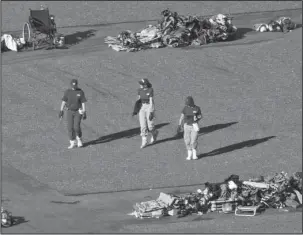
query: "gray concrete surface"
15, 13
248, 90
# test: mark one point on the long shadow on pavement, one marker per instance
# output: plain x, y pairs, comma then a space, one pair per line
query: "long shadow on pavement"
233, 147
119, 135
77, 37
19, 220
203, 131
241, 33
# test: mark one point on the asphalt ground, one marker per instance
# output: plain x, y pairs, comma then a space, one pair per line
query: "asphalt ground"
249, 91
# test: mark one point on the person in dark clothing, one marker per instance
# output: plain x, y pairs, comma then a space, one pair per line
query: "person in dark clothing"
74, 101
190, 116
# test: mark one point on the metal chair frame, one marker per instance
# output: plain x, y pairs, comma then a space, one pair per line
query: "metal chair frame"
39, 30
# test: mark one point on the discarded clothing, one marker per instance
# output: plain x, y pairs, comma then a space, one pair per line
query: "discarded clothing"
174, 30
6, 218
282, 24
8, 42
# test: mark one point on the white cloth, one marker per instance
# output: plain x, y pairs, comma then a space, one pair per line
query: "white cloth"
8, 41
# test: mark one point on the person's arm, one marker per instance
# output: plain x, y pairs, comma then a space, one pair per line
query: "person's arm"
62, 105
181, 119
152, 104
180, 128
198, 116
83, 107
138, 93
83, 101
64, 100
151, 100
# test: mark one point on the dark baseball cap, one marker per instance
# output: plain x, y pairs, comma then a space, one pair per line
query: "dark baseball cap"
144, 81
74, 82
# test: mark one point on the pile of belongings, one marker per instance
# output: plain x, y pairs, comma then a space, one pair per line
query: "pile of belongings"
282, 24
6, 218
277, 191
9, 43
175, 30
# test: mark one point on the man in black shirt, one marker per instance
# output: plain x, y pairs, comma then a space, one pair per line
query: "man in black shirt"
74, 100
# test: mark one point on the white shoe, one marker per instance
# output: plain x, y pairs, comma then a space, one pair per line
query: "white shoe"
72, 144
79, 142
195, 154
189, 154
154, 137
144, 142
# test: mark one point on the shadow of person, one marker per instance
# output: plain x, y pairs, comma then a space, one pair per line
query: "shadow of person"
233, 147
208, 129
203, 131
119, 135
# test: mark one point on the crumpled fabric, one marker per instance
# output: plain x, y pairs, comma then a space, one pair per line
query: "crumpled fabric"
282, 24
6, 218
8, 42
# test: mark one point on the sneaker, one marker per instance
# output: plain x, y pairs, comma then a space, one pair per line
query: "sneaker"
189, 155
144, 142
195, 154
154, 137
79, 142
72, 144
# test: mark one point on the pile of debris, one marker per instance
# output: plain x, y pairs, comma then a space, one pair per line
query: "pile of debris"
282, 24
175, 30
276, 191
10, 43
6, 218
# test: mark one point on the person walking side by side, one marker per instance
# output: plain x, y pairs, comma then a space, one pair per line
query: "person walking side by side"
74, 101
190, 117
147, 112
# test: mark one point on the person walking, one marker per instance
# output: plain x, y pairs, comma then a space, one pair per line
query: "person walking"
190, 116
74, 101
147, 112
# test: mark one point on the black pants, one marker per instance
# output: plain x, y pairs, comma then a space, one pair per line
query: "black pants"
74, 124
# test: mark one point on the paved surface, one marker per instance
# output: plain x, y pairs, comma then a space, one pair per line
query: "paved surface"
249, 91
89, 13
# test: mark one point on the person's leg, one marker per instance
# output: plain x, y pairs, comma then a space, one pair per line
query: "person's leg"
143, 125
77, 128
151, 127
187, 137
194, 143
70, 128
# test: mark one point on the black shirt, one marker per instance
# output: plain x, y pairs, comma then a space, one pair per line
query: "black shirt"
74, 99
190, 112
145, 94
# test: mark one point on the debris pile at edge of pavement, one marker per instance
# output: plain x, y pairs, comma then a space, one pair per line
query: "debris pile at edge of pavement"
10, 43
277, 191
175, 30
6, 218
282, 24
